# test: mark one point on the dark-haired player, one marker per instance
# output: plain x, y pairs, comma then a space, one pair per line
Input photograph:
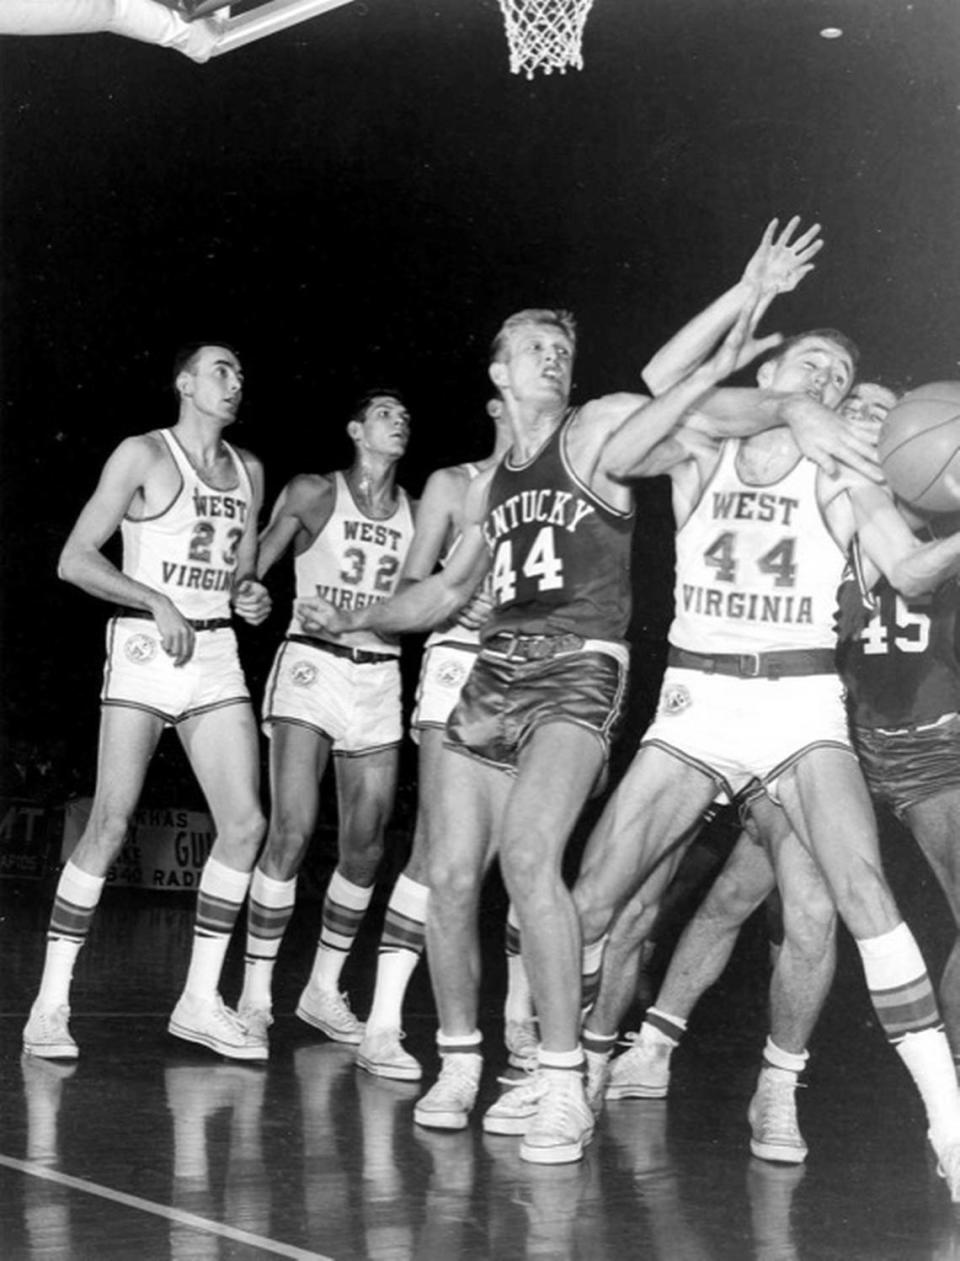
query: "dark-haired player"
186, 504
448, 658
751, 694
350, 532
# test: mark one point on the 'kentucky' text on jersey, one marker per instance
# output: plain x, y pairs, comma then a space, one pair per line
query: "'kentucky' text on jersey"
561, 556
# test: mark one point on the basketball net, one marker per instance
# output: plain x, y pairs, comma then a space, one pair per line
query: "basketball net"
545, 34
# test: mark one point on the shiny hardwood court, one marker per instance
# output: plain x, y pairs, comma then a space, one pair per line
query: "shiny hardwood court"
146, 1149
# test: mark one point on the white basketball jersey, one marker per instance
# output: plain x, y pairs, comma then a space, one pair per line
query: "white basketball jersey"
757, 567
355, 561
189, 551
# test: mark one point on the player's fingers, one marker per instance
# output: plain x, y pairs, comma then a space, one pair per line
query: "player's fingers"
769, 232
789, 230
807, 237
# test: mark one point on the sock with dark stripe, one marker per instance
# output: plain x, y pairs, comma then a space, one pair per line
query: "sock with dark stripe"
74, 905
401, 945
222, 890
661, 1026
460, 1044
906, 1007
269, 911
344, 907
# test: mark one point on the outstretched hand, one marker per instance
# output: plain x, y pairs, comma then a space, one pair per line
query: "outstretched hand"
740, 347
830, 441
779, 264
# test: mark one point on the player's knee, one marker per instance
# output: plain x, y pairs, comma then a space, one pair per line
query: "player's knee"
810, 925
107, 828
451, 883
730, 901
287, 838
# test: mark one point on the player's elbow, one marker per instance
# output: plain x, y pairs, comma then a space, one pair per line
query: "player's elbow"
910, 581
67, 566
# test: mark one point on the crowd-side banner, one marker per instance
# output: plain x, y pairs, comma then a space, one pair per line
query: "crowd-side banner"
163, 849
29, 836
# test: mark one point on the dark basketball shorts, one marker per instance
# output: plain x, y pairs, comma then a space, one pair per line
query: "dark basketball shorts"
504, 701
904, 767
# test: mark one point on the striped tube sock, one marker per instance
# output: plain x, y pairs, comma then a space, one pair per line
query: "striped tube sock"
269, 911
591, 968
460, 1044
78, 894
660, 1026
904, 1001
401, 945
344, 907
222, 890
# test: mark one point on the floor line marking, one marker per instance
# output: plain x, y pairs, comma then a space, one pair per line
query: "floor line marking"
34, 1170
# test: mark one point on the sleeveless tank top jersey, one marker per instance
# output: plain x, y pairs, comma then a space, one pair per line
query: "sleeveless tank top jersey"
355, 561
757, 567
561, 556
898, 657
455, 631
189, 551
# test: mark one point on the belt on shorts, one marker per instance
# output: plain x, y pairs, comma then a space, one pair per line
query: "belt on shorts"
517, 647
790, 663
912, 728
360, 656
198, 623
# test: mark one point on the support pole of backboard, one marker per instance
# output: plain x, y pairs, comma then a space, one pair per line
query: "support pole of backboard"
268, 19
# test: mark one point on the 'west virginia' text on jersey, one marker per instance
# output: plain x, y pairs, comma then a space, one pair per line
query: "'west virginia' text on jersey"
561, 556
355, 561
757, 567
189, 551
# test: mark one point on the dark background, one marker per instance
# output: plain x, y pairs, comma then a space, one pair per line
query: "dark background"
363, 198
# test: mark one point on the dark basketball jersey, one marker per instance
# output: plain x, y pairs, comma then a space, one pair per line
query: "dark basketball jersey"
561, 556
898, 657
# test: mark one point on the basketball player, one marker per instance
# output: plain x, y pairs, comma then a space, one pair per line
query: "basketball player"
350, 533
447, 660
751, 693
767, 856
528, 740
186, 504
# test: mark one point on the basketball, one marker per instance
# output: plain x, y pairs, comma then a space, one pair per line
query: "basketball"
919, 448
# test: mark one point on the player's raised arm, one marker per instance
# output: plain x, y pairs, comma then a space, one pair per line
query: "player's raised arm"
777, 266
422, 604
647, 442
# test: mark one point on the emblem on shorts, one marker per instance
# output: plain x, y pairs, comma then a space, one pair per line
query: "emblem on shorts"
302, 674
675, 699
451, 674
140, 649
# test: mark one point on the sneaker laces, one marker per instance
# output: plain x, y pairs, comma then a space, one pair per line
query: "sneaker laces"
458, 1075
778, 1108
557, 1105
341, 1006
